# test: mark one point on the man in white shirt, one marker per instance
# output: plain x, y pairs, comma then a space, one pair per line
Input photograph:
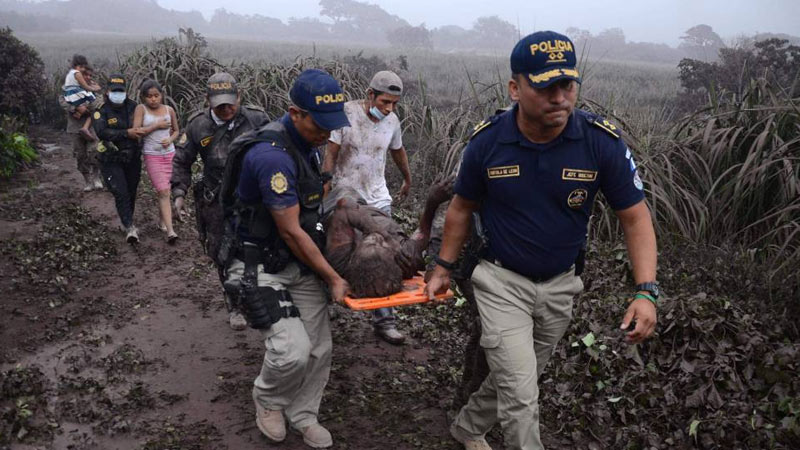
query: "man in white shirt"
356, 157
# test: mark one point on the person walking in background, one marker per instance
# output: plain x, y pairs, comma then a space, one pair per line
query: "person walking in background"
119, 151
209, 134
533, 172
356, 156
79, 102
160, 124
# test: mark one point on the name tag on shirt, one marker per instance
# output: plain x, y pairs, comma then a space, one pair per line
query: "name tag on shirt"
578, 175
503, 171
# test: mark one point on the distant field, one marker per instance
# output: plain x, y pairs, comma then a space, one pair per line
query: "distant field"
629, 89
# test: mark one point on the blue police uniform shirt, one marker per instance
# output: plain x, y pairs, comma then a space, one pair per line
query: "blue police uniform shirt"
536, 199
269, 173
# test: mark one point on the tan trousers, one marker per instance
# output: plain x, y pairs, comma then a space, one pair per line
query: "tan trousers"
522, 321
297, 362
85, 154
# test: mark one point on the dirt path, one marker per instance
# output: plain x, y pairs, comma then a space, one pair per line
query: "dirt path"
109, 346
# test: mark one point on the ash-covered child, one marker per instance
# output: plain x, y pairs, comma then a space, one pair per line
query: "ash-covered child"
78, 91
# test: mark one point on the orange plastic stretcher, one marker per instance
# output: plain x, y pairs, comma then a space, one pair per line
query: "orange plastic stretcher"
413, 292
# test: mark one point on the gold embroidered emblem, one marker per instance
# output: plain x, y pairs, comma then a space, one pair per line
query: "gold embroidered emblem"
503, 172
96, 115
112, 121
205, 141
576, 198
607, 126
278, 183
578, 175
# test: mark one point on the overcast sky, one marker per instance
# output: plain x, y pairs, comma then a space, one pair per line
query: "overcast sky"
650, 21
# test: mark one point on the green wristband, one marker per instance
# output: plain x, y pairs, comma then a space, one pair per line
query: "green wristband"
647, 296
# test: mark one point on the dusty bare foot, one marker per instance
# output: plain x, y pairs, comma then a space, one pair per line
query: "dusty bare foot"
88, 135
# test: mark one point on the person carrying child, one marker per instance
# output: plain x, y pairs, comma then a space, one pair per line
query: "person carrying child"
160, 124
78, 91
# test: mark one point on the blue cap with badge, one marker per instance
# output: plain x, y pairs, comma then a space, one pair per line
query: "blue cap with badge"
545, 57
317, 92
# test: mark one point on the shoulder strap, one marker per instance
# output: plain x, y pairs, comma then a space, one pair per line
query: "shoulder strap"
603, 124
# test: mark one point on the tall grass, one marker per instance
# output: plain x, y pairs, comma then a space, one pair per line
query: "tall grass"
725, 175
730, 174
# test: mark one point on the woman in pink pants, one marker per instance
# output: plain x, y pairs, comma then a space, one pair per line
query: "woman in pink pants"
158, 147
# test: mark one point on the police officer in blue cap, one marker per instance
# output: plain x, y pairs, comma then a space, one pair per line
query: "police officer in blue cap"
532, 173
277, 266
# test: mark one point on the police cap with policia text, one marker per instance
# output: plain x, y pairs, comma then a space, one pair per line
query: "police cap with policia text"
318, 93
116, 82
222, 89
545, 57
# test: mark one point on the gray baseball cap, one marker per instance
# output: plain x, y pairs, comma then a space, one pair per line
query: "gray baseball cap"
222, 89
388, 82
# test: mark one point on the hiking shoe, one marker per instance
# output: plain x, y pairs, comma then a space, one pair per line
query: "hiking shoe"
133, 235
390, 335
271, 423
237, 321
468, 442
316, 436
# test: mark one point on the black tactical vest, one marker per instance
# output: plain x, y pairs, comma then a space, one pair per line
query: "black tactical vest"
255, 216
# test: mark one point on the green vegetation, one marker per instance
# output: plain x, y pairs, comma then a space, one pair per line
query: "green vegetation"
15, 149
723, 182
23, 73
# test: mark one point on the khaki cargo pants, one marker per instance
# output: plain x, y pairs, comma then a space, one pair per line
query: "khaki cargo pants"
297, 362
522, 321
85, 154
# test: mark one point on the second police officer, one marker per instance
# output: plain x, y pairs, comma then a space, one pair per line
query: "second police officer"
277, 264
533, 172
209, 133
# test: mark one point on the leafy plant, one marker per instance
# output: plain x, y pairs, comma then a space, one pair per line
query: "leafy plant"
15, 149
23, 73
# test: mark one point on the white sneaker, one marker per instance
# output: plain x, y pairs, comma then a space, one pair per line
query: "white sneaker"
98, 184
89, 187
237, 321
133, 235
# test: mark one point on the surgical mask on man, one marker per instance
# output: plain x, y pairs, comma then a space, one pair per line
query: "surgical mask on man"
116, 97
376, 113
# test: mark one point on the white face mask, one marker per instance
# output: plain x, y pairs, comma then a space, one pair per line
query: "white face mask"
117, 97
376, 113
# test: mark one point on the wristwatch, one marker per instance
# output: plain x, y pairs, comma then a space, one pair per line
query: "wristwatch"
445, 264
650, 286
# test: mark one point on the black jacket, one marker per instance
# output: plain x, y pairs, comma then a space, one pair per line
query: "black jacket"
111, 123
205, 138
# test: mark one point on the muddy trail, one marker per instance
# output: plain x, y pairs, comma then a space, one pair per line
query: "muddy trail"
110, 346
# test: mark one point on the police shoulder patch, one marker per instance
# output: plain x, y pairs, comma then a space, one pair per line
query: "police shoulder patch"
484, 124
278, 183
604, 125
183, 139
96, 115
